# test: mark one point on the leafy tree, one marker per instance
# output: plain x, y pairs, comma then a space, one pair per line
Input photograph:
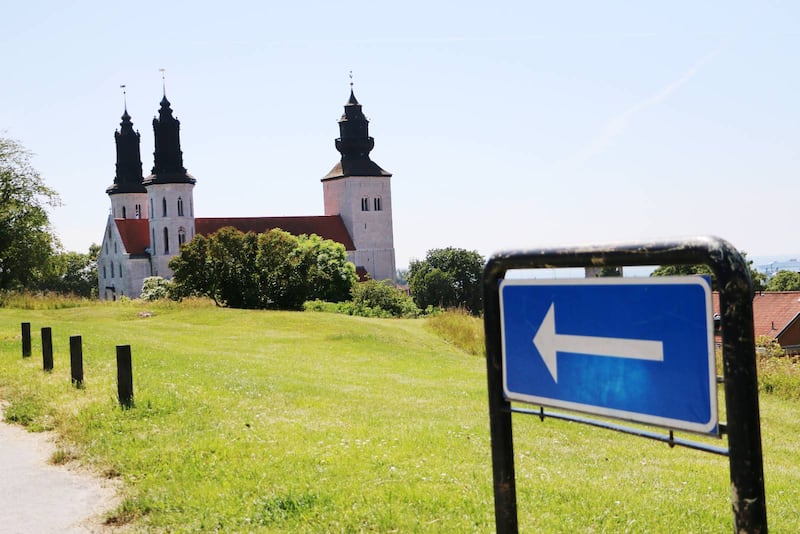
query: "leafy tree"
26, 238
71, 272
757, 278
270, 270
784, 281
449, 278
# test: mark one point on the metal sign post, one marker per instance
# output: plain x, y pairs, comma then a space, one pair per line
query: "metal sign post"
529, 314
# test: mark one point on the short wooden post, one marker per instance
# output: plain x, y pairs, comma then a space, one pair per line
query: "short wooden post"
26, 340
76, 360
47, 348
124, 376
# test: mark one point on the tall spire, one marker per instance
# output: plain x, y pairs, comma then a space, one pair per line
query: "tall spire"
354, 143
167, 157
128, 177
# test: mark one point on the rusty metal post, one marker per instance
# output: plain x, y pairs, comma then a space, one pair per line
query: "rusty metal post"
26, 340
47, 348
124, 376
76, 360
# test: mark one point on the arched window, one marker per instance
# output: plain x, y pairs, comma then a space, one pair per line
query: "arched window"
138, 210
365, 204
105, 273
164, 205
123, 213
166, 241
181, 236
377, 203
112, 269
153, 242
152, 213
120, 270
115, 247
180, 207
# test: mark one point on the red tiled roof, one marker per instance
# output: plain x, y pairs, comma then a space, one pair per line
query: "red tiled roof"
773, 311
134, 234
325, 226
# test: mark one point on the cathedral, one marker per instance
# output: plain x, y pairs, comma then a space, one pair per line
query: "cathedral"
151, 217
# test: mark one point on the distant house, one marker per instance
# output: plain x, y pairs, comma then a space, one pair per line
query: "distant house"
776, 314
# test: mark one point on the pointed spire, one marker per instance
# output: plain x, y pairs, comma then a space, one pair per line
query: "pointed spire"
128, 177
354, 143
167, 157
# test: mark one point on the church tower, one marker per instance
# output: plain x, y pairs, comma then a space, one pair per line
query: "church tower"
169, 193
128, 194
359, 191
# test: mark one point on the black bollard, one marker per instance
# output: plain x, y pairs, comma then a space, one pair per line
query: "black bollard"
26, 340
76, 360
124, 376
47, 349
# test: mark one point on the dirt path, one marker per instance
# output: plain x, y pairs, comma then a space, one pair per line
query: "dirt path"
36, 496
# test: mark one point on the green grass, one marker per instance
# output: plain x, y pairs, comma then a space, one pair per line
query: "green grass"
314, 422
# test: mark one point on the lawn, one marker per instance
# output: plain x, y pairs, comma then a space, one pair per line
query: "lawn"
314, 422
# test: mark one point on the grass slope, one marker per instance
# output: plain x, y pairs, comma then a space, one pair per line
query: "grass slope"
309, 422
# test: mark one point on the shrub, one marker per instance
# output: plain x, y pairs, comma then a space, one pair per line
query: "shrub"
155, 288
384, 296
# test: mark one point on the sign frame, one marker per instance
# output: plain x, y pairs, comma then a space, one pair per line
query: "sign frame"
743, 428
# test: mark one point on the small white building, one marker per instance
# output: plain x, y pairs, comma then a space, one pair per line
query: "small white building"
152, 217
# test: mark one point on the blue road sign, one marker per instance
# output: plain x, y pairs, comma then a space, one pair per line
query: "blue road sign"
639, 349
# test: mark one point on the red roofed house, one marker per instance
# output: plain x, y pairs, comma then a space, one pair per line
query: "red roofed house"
152, 217
776, 314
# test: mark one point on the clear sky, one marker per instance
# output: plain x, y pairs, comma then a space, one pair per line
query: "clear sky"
506, 125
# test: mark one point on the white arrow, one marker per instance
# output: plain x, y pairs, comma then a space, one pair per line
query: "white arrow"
548, 343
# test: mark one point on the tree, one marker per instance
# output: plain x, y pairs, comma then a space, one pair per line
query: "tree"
448, 278
757, 278
71, 272
784, 281
270, 270
26, 239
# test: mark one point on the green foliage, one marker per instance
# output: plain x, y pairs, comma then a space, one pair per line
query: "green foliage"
757, 278
71, 273
448, 278
784, 281
27, 300
383, 295
26, 238
156, 288
274, 270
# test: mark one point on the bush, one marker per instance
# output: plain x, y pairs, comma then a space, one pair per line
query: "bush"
156, 288
384, 296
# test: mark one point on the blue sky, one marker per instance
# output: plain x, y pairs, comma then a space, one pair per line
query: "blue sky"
511, 125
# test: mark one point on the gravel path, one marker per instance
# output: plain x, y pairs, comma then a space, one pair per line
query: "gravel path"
37, 497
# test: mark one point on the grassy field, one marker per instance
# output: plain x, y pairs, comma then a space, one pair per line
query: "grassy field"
313, 422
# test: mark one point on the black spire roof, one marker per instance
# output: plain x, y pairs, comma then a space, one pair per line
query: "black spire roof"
128, 178
354, 144
168, 159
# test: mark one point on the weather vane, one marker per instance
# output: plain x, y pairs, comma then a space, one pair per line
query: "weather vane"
351, 79
124, 96
163, 81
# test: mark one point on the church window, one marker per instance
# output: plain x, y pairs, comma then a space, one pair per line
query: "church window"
191, 208
180, 207
105, 273
112, 269
377, 203
138, 210
181, 236
365, 204
153, 242
115, 247
120, 270
123, 213
166, 241
109, 234
152, 213
164, 205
